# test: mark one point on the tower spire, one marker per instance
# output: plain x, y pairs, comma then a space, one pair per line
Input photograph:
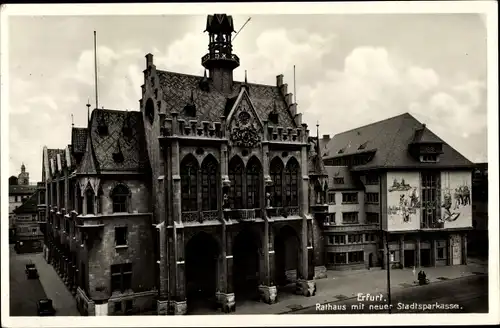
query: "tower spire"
220, 60
88, 111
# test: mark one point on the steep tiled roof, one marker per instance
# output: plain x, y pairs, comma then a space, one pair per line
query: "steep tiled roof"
78, 139
123, 146
390, 139
211, 105
52, 155
29, 206
21, 189
351, 182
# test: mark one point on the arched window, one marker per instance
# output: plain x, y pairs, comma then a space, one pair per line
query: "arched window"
236, 177
120, 196
89, 193
78, 200
291, 183
189, 186
253, 173
276, 172
209, 184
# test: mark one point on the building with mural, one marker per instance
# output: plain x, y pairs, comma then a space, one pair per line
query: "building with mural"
414, 183
201, 197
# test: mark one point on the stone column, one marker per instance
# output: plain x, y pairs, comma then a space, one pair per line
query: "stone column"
464, 248
225, 296
58, 195
418, 251
176, 178
267, 290
66, 191
305, 285
179, 304
162, 303
402, 251
433, 251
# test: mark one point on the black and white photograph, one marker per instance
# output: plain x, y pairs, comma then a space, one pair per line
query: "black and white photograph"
247, 161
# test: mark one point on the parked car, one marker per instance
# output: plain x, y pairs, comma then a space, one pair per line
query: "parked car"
31, 271
44, 307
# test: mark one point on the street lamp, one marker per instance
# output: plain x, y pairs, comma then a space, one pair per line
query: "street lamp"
388, 271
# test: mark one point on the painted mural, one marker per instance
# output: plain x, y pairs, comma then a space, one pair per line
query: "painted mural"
456, 195
403, 201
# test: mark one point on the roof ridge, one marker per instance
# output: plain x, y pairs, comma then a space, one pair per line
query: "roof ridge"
373, 123
234, 81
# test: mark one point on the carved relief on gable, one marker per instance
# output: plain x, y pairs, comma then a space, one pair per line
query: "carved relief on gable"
245, 129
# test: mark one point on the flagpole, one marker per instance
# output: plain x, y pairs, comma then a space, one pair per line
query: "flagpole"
95, 70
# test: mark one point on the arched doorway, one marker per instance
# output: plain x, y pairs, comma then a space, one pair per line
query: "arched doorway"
202, 254
370, 260
286, 251
246, 265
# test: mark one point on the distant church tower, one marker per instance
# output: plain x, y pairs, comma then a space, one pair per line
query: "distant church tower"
24, 177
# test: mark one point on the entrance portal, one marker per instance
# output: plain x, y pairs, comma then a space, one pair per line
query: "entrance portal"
202, 253
246, 265
370, 260
286, 247
425, 257
409, 261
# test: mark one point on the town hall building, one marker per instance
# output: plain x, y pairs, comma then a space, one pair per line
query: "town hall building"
204, 196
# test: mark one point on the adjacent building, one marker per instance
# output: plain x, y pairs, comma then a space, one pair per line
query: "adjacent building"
397, 188
19, 191
478, 237
29, 237
201, 196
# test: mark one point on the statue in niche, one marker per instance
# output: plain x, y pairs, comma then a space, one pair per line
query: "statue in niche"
268, 199
225, 201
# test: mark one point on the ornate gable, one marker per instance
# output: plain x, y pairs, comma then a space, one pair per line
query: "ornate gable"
244, 124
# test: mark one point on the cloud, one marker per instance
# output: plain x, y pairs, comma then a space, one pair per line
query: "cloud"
372, 84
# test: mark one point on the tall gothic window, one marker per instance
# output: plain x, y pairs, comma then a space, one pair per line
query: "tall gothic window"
189, 187
120, 196
209, 184
79, 200
253, 179
89, 193
291, 183
236, 177
430, 198
276, 172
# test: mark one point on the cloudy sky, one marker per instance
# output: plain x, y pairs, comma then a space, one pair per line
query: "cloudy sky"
351, 70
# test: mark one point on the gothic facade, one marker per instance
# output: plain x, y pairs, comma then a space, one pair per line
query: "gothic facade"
202, 196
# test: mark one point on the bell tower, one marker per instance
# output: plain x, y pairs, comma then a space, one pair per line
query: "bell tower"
220, 60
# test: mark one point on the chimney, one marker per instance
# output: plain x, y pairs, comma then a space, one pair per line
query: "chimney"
326, 137
279, 80
149, 60
293, 109
284, 89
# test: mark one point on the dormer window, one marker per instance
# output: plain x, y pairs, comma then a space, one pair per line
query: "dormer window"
102, 127
341, 151
430, 158
362, 146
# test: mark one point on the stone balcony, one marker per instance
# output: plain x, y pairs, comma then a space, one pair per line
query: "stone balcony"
200, 216
245, 215
283, 211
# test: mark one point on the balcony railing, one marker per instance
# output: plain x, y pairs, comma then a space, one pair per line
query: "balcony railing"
283, 211
197, 216
319, 208
242, 214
